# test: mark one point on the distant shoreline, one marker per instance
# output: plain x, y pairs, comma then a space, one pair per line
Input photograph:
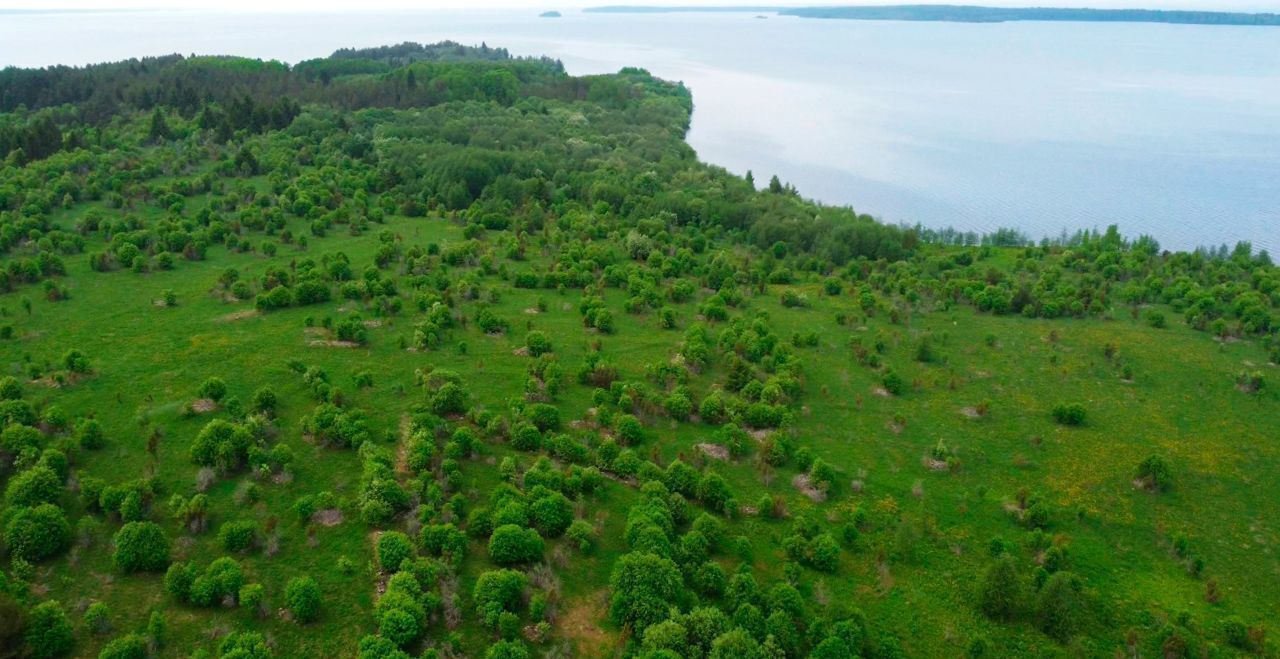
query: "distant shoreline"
976, 14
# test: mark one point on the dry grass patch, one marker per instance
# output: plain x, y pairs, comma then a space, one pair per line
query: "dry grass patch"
582, 622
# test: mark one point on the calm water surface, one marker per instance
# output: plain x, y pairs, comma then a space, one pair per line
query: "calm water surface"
1172, 131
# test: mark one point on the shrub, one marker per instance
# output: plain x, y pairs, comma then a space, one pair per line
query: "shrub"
629, 429
48, 632
9, 388
450, 398
1235, 632
824, 552
511, 544
507, 650
244, 645
251, 596
214, 389
1153, 473
89, 434
1069, 414
1250, 382
893, 383
97, 618
582, 534
644, 587
537, 343
129, 646
221, 444
1059, 606
33, 534
33, 487
393, 548
1001, 592
552, 513
75, 361
545, 417
497, 591
399, 626
302, 594
714, 492
238, 536
141, 547
264, 400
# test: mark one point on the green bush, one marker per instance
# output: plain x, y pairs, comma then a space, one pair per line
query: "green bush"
1070, 414
214, 389
1001, 594
537, 343
48, 632
1059, 606
34, 534
244, 645
393, 548
90, 435
129, 646
544, 417
251, 596
644, 587
302, 594
264, 400
552, 513
893, 383
497, 591
237, 536
582, 534
511, 544
1154, 474
33, 487
141, 547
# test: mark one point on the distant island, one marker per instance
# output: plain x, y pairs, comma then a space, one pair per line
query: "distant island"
976, 14
550, 14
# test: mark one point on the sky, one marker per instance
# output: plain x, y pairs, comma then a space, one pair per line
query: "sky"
366, 5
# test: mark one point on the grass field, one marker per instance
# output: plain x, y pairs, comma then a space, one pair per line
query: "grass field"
1181, 402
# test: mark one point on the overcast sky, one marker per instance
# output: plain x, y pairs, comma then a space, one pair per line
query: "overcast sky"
365, 5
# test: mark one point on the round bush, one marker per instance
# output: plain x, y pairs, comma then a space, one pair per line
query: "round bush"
36, 533
48, 633
90, 434
399, 626
237, 536
303, 597
393, 548
537, 343
214, 389
129, 646
512, 544
33, 487
141, 547
552, 513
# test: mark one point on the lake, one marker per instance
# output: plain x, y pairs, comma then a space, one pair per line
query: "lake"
1166, 130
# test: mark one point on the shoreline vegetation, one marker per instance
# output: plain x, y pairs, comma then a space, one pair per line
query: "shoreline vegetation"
978, 14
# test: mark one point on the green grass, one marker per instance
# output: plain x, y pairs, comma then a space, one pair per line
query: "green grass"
148, 361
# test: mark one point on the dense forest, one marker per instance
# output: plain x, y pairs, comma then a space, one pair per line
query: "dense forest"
432, 351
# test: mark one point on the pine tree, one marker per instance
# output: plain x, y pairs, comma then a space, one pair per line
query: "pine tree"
1001, 590
1058, 607
159, 127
